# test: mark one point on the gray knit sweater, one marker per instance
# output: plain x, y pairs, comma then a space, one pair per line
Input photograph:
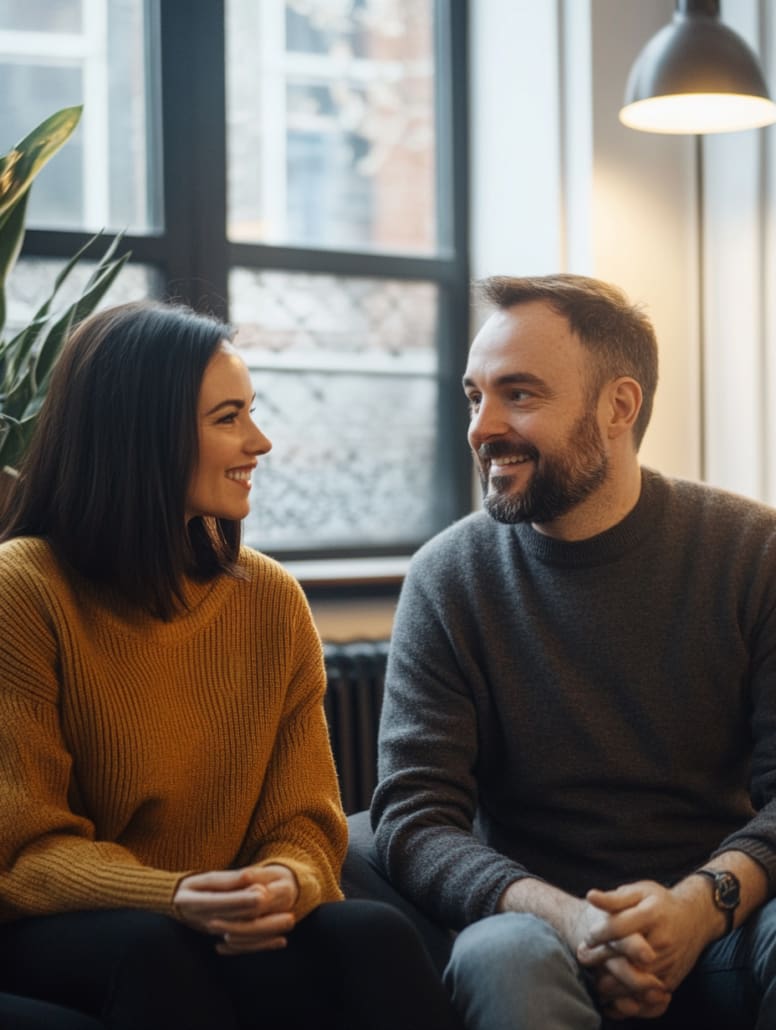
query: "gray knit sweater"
591, 713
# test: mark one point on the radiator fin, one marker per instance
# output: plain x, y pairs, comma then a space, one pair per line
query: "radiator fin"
355, 673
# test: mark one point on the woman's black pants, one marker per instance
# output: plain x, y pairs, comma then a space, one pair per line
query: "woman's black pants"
352, 965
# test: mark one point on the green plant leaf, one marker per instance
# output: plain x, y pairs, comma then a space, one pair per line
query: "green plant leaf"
16, 400
101, 282
11, 239
27, 360
23, 162
27, 387
14, 434
8, 428
17, 349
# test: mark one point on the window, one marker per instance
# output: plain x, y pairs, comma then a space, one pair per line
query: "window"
298, 167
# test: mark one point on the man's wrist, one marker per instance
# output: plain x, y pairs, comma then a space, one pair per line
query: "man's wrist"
725, 893
710, 922
537, 897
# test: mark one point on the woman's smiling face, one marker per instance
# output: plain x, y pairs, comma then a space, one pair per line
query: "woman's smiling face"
229, 440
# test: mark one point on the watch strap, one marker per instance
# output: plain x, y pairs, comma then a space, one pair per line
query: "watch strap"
727, 910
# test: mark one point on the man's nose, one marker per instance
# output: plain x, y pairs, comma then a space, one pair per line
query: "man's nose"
486, 423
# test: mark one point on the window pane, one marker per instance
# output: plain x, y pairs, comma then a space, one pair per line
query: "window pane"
30, 15
346, 388
104, 176
32, 280
331, 124
32, 92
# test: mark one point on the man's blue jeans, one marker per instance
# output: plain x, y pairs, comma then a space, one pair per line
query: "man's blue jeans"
513, 972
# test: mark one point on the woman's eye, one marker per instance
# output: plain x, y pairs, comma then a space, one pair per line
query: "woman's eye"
228, 419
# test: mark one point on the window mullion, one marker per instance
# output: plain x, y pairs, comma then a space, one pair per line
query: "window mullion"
193, 105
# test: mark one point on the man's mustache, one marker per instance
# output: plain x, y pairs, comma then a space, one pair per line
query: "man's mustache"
503, 449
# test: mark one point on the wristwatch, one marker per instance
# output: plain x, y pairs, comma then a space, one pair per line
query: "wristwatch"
727, 892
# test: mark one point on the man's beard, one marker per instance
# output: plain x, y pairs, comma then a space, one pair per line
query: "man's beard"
557, 484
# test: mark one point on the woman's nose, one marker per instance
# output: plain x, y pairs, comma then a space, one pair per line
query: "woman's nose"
260, 444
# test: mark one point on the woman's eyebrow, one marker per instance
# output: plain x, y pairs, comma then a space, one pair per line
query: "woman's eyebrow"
237, 402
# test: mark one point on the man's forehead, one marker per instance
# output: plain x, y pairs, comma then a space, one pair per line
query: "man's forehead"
525, 334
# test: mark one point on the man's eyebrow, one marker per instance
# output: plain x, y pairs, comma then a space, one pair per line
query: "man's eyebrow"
511, 379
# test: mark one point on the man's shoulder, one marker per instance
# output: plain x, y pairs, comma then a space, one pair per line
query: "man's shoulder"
718, 528
473, 530
718, 504
457, 556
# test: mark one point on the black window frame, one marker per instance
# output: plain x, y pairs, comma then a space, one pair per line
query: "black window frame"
186, 59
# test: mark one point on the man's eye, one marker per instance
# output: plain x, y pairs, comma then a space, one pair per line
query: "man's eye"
473, 402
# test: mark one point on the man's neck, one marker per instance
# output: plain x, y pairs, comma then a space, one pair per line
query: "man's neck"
604, 508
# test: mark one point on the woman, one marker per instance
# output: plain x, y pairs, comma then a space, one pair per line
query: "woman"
171, 832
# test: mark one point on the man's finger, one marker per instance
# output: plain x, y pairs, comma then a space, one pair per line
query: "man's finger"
634, 947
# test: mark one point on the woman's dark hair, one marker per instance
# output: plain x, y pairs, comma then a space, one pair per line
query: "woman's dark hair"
617, 333
106, 475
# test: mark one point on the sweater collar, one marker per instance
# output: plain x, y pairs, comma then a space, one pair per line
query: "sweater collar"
605, 547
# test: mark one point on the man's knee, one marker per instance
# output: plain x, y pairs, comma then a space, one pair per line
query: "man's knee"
514, 970
759, 938
509, 944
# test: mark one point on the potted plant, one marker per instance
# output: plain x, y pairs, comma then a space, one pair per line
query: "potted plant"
27, 357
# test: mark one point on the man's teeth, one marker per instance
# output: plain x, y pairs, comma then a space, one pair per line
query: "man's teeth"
509, 461
244, 474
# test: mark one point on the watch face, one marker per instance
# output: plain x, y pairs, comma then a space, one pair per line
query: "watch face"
727, 890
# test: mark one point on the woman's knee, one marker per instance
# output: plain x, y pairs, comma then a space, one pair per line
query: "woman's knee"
152, 934
128, 966
362, 925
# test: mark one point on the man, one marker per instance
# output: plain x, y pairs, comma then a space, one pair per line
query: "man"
578, 740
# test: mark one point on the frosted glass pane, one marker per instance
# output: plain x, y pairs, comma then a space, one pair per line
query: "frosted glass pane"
346, 388
32, 279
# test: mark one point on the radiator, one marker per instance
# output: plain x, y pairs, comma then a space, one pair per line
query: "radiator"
355, 672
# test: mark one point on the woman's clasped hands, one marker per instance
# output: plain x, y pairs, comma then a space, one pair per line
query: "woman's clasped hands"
250, 909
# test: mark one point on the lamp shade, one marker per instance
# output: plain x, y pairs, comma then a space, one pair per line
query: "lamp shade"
696, 75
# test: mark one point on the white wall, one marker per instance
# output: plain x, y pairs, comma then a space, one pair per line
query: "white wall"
739, 265
560, 185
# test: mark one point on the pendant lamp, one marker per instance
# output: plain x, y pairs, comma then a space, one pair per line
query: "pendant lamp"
696, 75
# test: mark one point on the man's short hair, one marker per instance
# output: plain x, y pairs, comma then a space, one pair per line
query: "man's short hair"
618, 334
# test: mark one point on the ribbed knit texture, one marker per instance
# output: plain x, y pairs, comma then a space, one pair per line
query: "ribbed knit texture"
598, 711
134, 751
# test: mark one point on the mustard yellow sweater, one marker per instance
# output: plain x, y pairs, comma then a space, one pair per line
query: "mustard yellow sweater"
134, 751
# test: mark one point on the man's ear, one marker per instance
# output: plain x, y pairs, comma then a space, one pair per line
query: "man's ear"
623, 404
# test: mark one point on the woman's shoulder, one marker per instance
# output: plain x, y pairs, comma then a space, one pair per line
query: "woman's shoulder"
267, 573
31, 579
274, 593
27, 557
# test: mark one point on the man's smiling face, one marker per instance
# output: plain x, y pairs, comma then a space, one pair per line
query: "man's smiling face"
534, 427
